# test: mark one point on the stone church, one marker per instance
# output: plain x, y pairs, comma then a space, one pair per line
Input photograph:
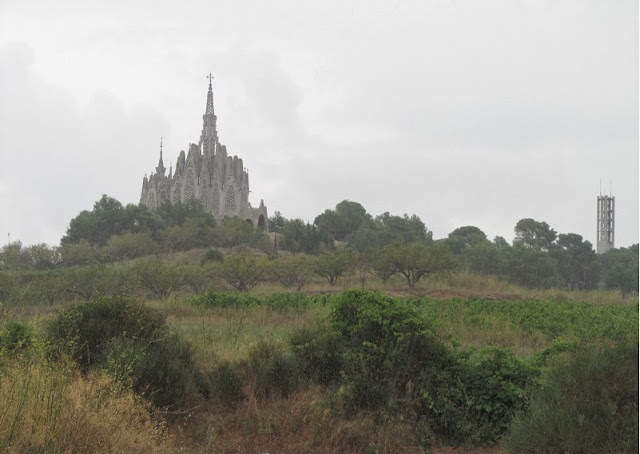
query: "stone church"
208, 174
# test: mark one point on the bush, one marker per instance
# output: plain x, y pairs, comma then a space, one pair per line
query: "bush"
212, 255
588, 403
391, 354
218, 299
225, 384
383, 357
129, 340
288, 301
319, 350
15, 337
271, 371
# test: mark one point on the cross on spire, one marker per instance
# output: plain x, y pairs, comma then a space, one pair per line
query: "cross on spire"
209, 108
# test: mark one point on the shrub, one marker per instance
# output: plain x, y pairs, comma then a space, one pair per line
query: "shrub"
132, 342
271, 371
391, 354
588, 403
15, 337
225, 384
319, 350
214, 298
386, 358
212, 255
288, 301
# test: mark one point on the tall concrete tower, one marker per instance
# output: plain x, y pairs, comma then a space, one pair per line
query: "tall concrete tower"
606, 210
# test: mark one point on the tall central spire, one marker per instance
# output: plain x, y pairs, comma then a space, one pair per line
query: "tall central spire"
209, 136
209, 109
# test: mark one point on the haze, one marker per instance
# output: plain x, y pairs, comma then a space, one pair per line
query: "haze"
462, 112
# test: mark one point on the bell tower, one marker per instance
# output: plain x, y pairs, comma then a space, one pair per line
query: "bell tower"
606, 223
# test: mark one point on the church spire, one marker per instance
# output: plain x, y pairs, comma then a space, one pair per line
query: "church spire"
209, 109
160, 169
209, 136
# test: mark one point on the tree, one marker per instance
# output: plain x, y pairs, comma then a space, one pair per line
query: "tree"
174, 214
382, 263
415, 260
300, 237
236, 232
48, 286
534, 234
576, 261
293, 272
43, 257
387, 229
97, 280
81, 253
333, 265
500, 242
347, 218
159, 277
482, 258
620, 269
129, 245
193, 233
464, 238
243, 271
106, 219
13, 255
277, 222
198, 276
529, 267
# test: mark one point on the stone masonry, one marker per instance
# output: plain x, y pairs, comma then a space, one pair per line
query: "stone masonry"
208, 174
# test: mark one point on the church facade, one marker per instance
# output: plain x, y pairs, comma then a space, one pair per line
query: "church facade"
208, 174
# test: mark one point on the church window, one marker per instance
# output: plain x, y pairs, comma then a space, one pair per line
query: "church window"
189, 188
151, 200
176, 194
230, 202
215, 199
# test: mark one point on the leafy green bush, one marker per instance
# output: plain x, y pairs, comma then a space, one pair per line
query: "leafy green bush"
132, 342
289, 301
212, 255
493, 386
391, 354
276, 301
15, 337
319, 350
588, 403
383, 356
214, 298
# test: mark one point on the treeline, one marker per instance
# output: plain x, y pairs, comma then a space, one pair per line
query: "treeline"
538, 256
347, 237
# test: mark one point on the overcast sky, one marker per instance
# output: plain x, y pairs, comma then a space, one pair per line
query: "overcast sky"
462, 112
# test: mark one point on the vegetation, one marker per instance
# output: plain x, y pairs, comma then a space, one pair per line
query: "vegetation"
162, 332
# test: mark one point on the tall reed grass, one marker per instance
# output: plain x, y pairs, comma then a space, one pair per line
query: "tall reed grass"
50, 407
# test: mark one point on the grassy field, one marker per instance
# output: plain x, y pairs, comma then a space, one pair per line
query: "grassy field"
42, 405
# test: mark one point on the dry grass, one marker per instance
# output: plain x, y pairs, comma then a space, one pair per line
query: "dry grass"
51, 408
301, 423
